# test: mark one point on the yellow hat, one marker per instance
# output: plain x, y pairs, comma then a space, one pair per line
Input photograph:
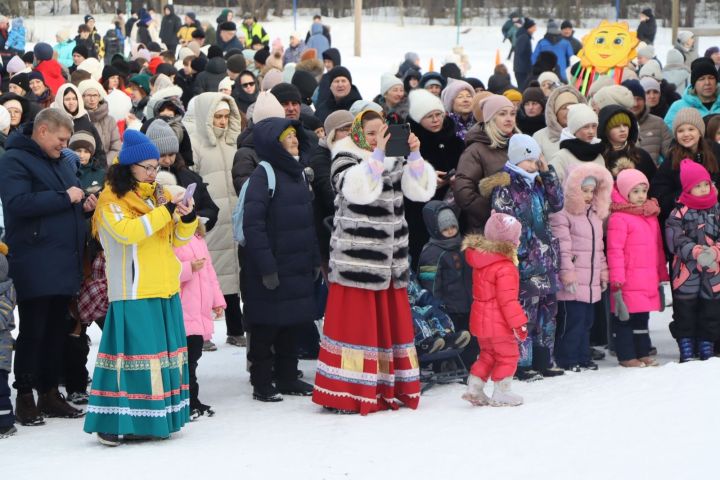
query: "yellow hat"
287, 132
513, 95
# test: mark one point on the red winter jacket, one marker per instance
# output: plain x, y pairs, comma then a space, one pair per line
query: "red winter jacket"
496, 310
52, 73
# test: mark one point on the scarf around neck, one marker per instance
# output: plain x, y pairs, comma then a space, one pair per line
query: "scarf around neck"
699, 203
527, 176
650, 208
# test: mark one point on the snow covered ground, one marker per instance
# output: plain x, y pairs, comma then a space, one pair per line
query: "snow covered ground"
654, 423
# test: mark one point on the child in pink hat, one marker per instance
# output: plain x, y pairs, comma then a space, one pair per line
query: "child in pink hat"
636, 261
497, 319
693, 236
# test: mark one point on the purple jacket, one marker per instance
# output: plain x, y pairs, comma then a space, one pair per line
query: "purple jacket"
579, 230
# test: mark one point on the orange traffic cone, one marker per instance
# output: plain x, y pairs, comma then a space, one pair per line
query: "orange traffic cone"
497, 57
431, 68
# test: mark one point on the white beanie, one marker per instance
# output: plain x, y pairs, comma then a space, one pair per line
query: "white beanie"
649, 83
423, 102
361, 105
523, 147
267, 106
225, 83
15, 65
545, 76
119, 104
4, 119
91, 84
93, 67
614, 95
580, 115
387, 81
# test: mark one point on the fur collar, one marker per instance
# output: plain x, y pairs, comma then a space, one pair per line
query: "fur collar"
482, 244
574, 203
488, 184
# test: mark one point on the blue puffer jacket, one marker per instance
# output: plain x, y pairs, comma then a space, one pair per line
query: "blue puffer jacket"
690, 100
16, 39
557, 45
65, 52
45, 232
280, 233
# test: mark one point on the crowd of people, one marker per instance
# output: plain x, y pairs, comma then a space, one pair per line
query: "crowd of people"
173, 172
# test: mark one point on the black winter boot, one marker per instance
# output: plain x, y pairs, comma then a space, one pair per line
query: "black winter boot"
26, 412
687, 349
53, 404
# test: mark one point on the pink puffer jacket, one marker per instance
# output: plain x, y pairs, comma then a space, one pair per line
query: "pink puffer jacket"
635, 255
579, 230
199, 291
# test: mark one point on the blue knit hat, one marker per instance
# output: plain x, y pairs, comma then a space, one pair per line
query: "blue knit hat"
43, 51
137, 147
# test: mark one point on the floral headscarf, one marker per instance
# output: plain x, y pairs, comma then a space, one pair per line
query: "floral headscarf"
356, 131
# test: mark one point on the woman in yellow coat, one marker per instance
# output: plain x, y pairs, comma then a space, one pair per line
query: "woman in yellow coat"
140, 385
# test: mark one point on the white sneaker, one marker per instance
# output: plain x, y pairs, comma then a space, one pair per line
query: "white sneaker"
475, 394
503, 396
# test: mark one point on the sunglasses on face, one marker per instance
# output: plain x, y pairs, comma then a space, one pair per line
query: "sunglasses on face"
248, 84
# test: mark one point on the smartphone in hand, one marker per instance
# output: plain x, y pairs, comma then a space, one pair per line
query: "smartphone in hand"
189, 191
397, 145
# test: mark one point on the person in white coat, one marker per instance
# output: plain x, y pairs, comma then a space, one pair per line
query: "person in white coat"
213, 123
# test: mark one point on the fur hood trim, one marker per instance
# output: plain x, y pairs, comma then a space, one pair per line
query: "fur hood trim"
622, 164
574, 203
482, 244
488, 184
314, 66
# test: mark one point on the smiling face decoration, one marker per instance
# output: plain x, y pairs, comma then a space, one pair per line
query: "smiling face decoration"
607, 46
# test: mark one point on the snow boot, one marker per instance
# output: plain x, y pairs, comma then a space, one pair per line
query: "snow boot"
552, 372
706, 349
527, 374
687, 349
475, 394
649, 361
26, 412
503, 396
457, 340
574, 368
634, 363
295, 387
430, 345
237, 340
9, 431
597, 354
78, 398
267, 394
209, 346
589, 365
53, 404
109, 439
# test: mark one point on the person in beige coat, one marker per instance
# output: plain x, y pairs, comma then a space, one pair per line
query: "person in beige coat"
213, 123
655, 136
95, 101
556, 112
578, 142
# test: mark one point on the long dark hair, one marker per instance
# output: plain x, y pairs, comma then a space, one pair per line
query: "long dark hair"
121, 179
703, 155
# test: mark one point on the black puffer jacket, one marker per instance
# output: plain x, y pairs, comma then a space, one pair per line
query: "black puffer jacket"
331, 105
280, 234
643, 161
209, 80
245, 159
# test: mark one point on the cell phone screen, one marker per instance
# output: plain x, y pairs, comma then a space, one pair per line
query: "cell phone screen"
189, 191
397, 145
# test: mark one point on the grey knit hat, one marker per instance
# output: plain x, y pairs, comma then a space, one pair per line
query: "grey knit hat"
82, 139
446, 219
162, 135
689, 116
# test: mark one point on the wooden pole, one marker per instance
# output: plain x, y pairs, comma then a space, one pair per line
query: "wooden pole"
358, 28
675, 19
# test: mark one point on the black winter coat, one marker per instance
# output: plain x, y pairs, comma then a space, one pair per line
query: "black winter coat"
280, 234
522, 62
331, 105
169, 27
442, 269
45, 232
643, 161
646, 31
245, 159
442, 150
209, 80
324, 204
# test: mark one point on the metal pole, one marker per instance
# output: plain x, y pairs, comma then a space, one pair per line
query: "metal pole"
358, 28
675, 19
458, 18
295, 15
617, 10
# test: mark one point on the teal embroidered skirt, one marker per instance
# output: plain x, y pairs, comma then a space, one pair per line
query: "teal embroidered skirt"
140, 383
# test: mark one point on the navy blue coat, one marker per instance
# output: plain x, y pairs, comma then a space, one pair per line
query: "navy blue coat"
523, 52
45, 232
280, 233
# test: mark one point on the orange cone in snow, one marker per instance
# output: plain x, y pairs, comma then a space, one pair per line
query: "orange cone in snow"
497, 57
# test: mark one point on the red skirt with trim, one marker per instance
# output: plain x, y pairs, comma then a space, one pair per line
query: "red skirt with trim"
367, 358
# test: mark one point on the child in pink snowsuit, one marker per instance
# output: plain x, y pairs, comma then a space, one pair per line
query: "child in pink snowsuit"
497, 319
201, 299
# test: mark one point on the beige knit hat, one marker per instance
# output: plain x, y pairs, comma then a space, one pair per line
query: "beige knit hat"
688, 116
614, 95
